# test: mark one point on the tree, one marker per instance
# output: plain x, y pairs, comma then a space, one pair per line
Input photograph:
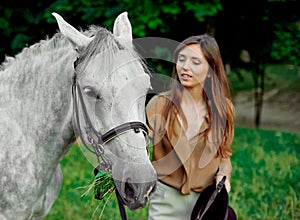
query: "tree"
249, 26
22, 24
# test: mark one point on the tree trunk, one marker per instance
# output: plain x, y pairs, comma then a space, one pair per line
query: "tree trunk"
259, 87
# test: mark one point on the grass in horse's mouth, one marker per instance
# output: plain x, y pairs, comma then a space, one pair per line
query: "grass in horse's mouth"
103, 188
103, 184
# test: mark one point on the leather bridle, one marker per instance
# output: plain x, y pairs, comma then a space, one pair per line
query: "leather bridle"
95, 139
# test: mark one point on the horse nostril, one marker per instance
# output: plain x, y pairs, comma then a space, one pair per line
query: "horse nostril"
129, 190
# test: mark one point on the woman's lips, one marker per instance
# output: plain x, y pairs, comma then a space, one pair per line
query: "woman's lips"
185, 76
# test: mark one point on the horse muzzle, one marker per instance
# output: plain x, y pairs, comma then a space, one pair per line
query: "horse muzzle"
135, 195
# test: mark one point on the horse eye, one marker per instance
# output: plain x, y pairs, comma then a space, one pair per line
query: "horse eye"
89, 91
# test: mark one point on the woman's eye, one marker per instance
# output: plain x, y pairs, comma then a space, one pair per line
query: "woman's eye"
181, 59
196, 61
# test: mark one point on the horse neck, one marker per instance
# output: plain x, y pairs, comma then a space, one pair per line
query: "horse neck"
36, 92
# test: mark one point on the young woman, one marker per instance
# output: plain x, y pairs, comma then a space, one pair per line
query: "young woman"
193, 129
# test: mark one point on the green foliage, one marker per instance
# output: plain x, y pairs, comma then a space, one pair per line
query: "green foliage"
265, 181
147, 16
23, 23
19, 41
286, 47
204, 9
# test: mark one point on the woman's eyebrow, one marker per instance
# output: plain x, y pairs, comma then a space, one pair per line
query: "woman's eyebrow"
187, 55
197, 58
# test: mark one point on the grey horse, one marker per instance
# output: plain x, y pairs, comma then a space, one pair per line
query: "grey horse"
36, 115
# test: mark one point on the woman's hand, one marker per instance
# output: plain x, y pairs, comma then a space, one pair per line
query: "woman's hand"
227, 182
225, 169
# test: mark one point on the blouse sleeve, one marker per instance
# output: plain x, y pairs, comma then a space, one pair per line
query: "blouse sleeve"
150, 110
153, 109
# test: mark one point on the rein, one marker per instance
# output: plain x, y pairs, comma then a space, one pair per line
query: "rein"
96, 140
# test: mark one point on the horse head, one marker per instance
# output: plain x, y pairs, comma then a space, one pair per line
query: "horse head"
109, 92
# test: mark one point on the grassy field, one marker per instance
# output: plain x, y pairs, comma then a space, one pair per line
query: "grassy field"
265, 181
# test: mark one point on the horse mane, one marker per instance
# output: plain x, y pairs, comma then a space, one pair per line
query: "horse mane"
35, 49
45, 45
103, 41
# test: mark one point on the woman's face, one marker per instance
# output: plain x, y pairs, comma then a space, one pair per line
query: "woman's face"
191, 66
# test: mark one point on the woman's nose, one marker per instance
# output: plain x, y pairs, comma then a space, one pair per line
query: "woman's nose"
186, 65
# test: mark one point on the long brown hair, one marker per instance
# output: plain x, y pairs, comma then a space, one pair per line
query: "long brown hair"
216, 94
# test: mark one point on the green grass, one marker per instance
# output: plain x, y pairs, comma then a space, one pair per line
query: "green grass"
265, 181
266, 174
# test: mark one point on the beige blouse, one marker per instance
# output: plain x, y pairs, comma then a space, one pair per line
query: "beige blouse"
177, 159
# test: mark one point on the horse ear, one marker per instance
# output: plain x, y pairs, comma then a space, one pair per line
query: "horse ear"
122, 29
75, 37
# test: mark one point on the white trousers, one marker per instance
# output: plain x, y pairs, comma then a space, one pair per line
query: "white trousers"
168, 203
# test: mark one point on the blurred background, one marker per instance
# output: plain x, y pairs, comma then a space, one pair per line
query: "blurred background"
260, 45
259, 41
